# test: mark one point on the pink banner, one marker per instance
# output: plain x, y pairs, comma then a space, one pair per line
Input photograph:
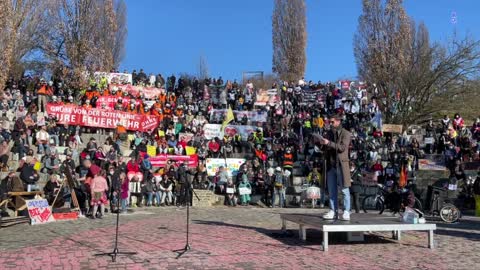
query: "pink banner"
148, 92
76, 115
161, 160
110, 101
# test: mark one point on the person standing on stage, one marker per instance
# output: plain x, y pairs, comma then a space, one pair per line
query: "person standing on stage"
338, 169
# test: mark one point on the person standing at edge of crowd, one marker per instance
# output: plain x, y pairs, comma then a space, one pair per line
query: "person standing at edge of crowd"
338, 171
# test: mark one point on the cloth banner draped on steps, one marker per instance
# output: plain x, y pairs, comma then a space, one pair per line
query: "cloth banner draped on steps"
76, 115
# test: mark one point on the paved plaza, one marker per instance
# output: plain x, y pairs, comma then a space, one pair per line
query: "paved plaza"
228, 238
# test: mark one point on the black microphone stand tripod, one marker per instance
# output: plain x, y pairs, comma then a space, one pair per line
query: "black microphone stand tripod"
115, 251
187, 248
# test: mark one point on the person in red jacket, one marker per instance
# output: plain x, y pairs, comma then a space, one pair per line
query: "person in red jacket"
377, 133
377, 168
132, 165
458, 122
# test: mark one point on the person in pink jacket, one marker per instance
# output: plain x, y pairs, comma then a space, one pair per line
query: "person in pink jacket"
99, 189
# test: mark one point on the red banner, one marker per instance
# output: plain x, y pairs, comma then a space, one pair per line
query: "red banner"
148, 92
75, 115
161, 160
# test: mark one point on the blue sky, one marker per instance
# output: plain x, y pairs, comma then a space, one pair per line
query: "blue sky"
235, 35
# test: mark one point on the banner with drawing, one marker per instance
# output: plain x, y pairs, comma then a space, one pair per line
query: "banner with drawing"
114, 78
215, 130
232, 165
267, 97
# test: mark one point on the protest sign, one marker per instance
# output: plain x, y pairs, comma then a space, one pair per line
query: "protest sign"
392, 128
185, 136
211, 131
260, 116
244, 191
232, 165
215, 130
429, 140
39, 211
111, 101
94, 117
190, 150
161, 160
151, 150
114, 78
136, 91
432, 163
267, 97
312, 96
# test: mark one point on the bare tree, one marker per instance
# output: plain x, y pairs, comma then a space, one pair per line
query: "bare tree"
21, 22
87, 37
413, 76
121, 32
202, 68
5, 45
289, 38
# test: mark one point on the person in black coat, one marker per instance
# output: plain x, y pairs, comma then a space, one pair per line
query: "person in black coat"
21, 145
28, 174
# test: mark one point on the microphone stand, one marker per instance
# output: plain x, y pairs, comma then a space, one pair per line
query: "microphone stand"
187, 248
115, 251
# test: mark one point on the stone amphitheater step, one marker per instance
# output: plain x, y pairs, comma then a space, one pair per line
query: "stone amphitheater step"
205, 196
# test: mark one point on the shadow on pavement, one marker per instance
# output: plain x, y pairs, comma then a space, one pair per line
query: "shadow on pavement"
466, 228
291, 238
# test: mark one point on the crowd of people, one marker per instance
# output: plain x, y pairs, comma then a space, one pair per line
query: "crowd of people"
277, 152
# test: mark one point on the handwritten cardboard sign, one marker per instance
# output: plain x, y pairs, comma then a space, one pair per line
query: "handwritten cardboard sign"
392, 128
39, 211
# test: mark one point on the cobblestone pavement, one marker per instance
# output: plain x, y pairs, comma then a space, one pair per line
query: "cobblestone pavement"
235, 238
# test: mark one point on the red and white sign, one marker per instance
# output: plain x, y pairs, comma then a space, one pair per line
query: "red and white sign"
161, 160
39, 211
75, 115
110, 101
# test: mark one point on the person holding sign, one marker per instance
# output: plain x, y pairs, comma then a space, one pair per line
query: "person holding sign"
230, 193
244, 189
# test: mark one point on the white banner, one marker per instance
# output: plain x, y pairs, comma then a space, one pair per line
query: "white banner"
211, 131
260, 116
215, 130
265, 97
232, 165
114, 78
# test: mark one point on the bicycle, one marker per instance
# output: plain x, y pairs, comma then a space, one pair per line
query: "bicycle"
379, 201
442, 206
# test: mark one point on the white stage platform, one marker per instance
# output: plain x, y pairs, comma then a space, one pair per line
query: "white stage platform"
361, 222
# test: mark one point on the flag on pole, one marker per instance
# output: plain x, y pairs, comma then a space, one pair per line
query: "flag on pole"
228, 118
